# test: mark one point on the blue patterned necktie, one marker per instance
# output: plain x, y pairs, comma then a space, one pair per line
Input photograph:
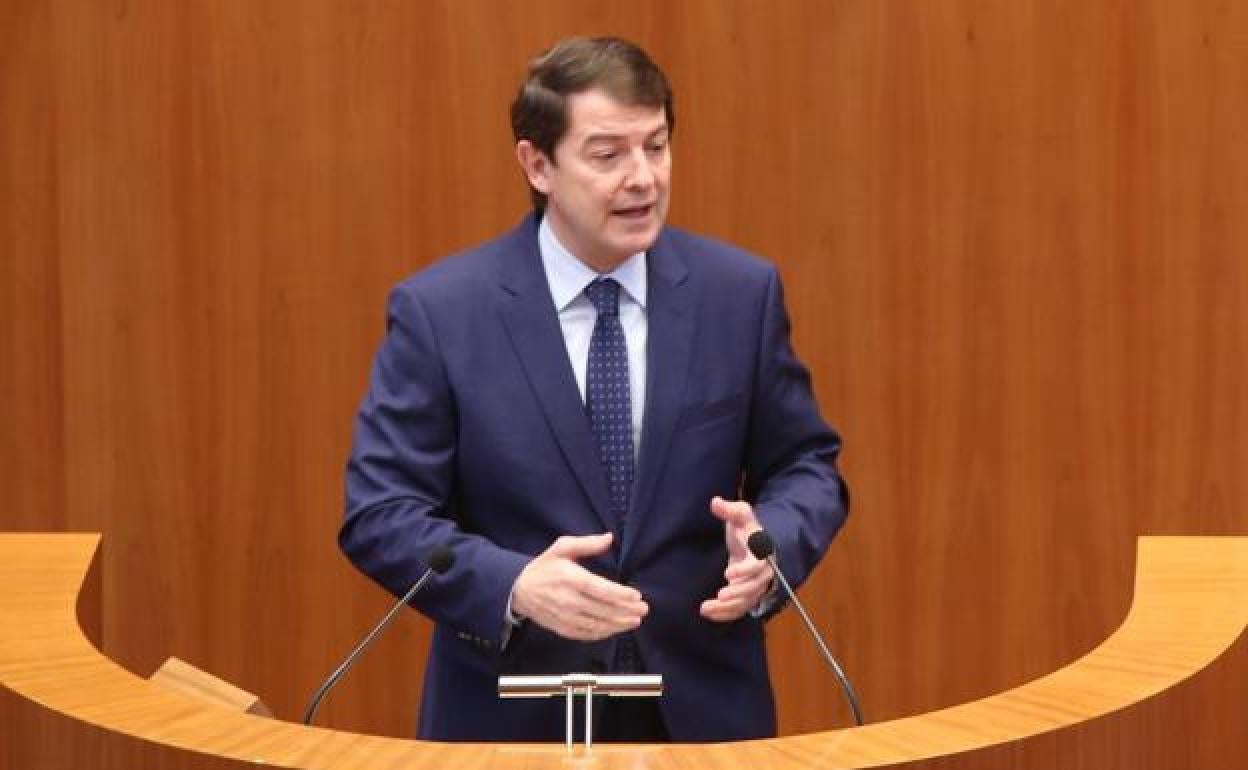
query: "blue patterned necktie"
607, 395
608, 399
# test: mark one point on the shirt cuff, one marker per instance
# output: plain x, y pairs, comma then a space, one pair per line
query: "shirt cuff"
765, 605
510, 622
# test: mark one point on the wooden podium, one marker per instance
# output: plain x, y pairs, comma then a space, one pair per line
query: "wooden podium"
64, 704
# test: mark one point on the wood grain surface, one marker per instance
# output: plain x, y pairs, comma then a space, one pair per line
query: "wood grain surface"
1012, 236
1190, 605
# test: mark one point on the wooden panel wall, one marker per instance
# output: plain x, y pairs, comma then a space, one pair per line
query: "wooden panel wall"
1013, 236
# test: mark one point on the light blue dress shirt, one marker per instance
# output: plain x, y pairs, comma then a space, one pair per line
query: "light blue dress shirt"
567, 277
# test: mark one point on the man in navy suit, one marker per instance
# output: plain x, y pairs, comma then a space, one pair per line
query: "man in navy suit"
594, 411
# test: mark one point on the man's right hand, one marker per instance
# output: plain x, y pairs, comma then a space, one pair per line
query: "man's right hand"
560, 595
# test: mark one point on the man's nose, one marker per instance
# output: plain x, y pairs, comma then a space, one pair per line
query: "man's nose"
641, 173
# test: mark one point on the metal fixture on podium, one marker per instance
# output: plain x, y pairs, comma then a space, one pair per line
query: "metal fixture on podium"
588, 685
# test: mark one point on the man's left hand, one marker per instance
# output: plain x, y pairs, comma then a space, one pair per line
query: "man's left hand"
747, 579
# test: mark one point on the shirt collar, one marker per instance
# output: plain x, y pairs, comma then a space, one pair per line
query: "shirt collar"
568, 276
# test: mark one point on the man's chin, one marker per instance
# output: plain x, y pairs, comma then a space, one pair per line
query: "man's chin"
630, 247
635, 239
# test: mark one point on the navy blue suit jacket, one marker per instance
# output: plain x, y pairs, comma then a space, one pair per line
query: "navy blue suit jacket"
473, 434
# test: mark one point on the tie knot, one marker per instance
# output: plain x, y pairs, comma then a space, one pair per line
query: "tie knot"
605, 294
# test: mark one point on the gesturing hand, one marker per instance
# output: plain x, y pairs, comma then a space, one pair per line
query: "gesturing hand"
558, 594
747, 579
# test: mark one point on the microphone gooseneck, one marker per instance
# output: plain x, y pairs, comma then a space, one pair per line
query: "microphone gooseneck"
439, 562
764, 548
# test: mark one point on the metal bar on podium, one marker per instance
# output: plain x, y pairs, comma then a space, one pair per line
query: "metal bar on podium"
588, 685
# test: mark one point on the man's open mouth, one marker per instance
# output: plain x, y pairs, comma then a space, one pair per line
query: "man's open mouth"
633, 212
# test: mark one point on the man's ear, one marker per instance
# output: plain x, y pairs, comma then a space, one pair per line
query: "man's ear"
535, 165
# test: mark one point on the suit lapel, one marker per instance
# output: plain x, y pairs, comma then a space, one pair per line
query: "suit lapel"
670, 325
528, 312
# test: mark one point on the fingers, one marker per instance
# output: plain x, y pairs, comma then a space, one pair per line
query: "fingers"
731, 605
725, 611
583, 617
746, 569
580, 547
608, 593
738, 513
748, 583
751, 590
559, 594
613, 597
575, 615
592, 627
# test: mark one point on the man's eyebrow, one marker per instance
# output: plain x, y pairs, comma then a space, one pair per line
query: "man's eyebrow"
612, 138
603, 137
615, 136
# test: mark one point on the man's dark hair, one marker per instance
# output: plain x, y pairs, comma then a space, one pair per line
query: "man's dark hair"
620, 68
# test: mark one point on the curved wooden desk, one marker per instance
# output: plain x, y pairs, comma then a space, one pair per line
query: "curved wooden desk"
63, 703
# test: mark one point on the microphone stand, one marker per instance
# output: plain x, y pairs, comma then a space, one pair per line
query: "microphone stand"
333, 678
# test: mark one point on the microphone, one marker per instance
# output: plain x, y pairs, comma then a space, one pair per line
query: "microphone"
439, 562
764, 548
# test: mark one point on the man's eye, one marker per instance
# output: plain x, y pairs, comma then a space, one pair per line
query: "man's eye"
657, 147
605, 156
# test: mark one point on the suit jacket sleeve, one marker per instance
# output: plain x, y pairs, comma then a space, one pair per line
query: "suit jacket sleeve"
790, 474
400, 484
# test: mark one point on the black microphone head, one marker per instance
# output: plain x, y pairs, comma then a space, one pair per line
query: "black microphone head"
761, 544
441, 559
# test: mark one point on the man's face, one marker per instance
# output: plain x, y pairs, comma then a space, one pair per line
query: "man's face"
607, 189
